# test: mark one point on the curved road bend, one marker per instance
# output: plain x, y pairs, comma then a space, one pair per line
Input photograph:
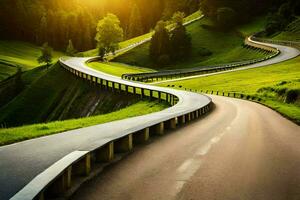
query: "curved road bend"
242, 150
21, 162
286, 53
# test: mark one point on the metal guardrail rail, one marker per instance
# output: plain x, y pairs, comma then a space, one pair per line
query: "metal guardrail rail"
58, 178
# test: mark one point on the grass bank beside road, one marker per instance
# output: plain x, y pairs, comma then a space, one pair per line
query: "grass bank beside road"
117, 69
12, 135
277, 85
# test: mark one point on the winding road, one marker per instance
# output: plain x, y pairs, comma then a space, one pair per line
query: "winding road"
241, 151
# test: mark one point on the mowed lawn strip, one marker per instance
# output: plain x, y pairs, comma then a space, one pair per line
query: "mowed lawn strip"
117, 69
12, 135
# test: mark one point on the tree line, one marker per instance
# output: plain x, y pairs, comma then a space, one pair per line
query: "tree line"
60, 21
228, 13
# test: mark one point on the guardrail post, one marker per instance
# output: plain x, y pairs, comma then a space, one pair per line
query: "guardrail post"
60, 185
181, 119
124, 144
120, 87
197, 113
151, 94
105, 153
101, 83
192, 115
158, 129
134, 90
171, 124
141, 136
159, 96
188, 117
83, 167
113, 86
142, 93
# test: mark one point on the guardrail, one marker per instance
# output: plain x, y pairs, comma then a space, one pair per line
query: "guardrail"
280, 42
59, 179
180, 73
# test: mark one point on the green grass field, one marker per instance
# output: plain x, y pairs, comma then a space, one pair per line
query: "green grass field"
225, 46
271, 84
12, 135
117, 69
22, 53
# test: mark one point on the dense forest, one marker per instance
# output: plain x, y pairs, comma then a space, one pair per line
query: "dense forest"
228, 13
58, 21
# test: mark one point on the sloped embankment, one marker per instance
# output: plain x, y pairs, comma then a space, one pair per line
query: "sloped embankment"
57, 95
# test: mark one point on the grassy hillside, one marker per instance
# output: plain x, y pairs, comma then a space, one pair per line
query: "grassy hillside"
23, 54
12, 135
277, 85
7, 70
225, 46
291, 32
58, 95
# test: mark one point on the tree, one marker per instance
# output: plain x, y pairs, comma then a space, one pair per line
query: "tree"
180, 40
70, 49
135, 22
177, 18
109, 34
160, 42
46, 56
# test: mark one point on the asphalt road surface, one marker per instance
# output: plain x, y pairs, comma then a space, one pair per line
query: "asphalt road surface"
241, 151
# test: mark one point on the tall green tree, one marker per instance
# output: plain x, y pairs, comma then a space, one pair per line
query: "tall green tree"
109, 34
180, 40
160, 42
135, 22
46, 56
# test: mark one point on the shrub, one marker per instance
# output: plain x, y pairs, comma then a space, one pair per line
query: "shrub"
292, 96
163, 60
204, 52
281, 91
